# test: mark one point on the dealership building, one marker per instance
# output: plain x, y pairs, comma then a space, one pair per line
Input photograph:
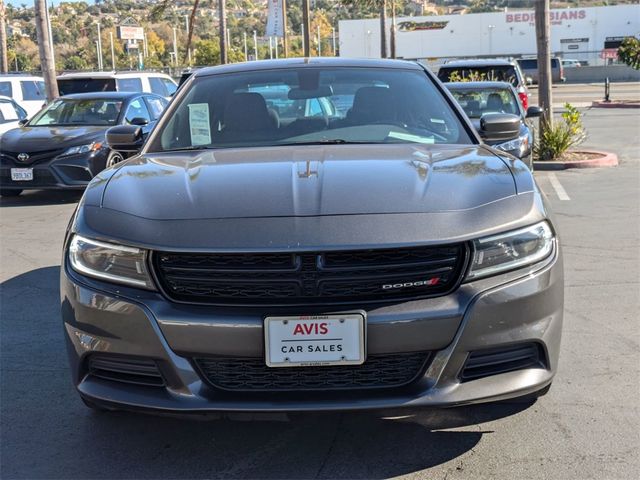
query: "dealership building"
590, 35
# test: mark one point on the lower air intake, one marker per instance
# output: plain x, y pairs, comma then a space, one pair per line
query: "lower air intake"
139, 371
484, 363
252, 375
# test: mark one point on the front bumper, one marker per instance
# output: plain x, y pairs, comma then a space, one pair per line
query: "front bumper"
498, 311
73, 172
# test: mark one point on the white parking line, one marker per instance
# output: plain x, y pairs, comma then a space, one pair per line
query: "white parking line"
557, 186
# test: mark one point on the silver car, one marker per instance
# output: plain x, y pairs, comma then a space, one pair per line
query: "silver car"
265, 253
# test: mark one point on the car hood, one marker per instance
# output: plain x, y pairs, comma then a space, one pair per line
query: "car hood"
308, 181
40, 139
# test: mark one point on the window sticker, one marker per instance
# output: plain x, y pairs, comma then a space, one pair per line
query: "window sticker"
199, 124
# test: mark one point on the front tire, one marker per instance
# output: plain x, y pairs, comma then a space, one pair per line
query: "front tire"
113, 159
10, 193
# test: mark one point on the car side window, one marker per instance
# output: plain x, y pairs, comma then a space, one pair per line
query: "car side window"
156, 106
129, 85
32, 90
137, 109
158, 87
170, 86
5, 89
313, 108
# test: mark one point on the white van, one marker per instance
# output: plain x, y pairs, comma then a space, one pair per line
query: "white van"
86, 82
26, 90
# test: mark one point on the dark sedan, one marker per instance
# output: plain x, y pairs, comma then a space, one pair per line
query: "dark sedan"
64, 147
478, 99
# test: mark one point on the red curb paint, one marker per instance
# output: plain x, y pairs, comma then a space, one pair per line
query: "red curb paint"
608, 159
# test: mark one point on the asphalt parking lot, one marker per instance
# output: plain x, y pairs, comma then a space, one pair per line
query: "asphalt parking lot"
588, 426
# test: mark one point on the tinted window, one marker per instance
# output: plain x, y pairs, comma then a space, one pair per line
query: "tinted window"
156, 106
137, 109
496, 73
528, 64
476, 103
79, 112
157, 86
68, 86
129, 85
5, 89
555, 63
277, 107
32, 90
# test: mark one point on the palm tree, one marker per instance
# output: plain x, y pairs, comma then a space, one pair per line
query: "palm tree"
44, 48
381, 5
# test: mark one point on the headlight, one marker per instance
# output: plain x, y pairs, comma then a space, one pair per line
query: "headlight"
91, 147
521, 144
511, 250
113, 263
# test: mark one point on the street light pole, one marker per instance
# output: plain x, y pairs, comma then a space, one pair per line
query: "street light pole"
99, 48
246, 52
255, 44
285, 41
113, 54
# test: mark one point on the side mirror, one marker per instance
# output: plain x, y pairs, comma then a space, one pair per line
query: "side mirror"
534, 111
141, 122
125, 138
499, 126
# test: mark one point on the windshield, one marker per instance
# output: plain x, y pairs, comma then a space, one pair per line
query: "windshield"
79, 112
10, 112
494, 73
310, 105
476, 103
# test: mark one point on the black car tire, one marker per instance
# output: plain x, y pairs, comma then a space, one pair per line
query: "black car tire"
10, 193
113, 159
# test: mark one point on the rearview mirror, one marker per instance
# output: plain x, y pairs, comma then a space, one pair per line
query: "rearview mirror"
140, 121
534, 111
499, 126
300, 94
125, 138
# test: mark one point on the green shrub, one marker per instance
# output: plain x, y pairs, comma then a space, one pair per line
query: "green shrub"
553, 142
629, 52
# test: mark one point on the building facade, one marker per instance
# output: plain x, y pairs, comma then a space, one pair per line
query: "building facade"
586, 34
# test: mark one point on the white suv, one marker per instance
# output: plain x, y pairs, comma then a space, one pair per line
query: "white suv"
27, 91
85, 82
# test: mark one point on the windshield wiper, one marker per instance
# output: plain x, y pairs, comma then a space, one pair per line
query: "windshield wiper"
327, 141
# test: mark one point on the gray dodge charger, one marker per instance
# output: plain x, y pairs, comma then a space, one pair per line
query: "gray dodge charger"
312, 234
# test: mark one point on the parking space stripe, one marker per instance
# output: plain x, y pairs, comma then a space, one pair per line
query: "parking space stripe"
557, 186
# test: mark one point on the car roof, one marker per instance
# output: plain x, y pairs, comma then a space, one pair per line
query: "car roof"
477, 85
104, 95
478, 63
311, 62
110, 74
20, 76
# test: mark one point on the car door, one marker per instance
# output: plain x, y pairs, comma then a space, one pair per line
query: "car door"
137, 113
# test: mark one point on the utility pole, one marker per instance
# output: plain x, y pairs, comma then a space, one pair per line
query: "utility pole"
45, 51
222, 14
4, 62
306, 28
285, 40
383, 29
392, 37
544, 63
175, 47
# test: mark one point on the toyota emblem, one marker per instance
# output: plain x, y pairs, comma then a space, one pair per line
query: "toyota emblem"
23, 157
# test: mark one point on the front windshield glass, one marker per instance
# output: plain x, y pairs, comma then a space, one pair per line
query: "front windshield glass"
476, 103
79, 112
308, 106
495, 73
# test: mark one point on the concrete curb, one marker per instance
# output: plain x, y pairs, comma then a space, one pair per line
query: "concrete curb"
607, 160
615, 104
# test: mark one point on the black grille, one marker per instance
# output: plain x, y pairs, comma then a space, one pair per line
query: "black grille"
140, 371
308, 278
251, 374
483, 363
34, 157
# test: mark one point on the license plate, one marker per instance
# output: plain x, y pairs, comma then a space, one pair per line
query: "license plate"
22, 174
317, 340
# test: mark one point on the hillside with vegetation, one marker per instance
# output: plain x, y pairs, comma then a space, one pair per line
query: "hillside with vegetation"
75, 28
